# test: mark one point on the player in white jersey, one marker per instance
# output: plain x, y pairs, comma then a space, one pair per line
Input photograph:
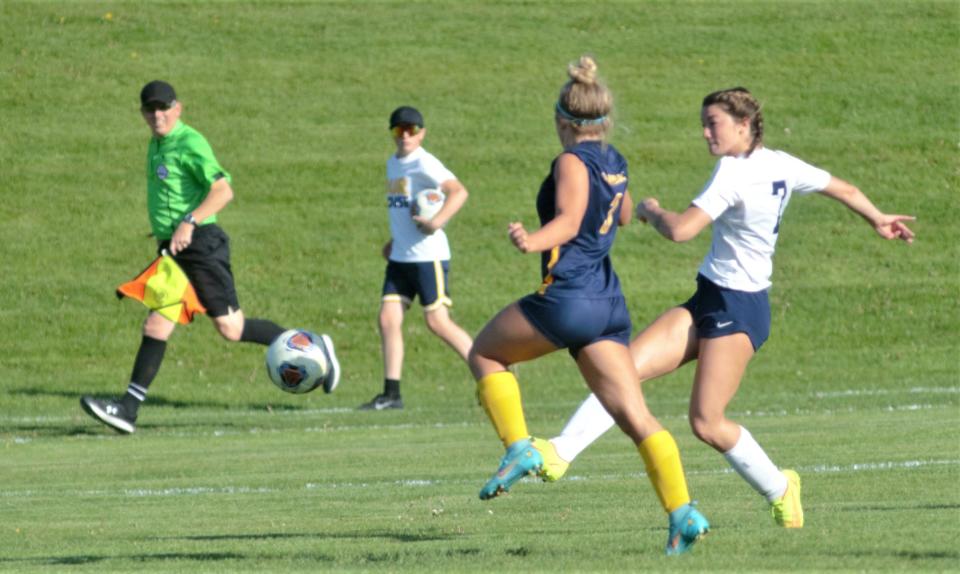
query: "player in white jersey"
728, 318
418, 254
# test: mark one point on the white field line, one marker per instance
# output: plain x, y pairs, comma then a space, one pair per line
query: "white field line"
19, 440
909, 465
840, 393
816, 469
882, 392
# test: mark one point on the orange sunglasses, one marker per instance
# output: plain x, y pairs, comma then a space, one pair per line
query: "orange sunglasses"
411, 129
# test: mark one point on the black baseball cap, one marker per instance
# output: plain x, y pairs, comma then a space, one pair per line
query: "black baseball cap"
158, 92
406, 116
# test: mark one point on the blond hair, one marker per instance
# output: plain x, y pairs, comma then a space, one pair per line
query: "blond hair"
585, 102
740, 104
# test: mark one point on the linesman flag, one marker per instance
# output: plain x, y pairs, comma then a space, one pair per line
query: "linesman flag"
163, 287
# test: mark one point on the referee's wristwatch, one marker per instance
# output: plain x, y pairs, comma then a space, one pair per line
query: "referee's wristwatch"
188, 218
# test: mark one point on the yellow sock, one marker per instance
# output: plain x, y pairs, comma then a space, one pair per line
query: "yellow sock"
662, 459
500, 396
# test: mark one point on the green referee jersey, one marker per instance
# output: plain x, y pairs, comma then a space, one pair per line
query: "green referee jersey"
181, 168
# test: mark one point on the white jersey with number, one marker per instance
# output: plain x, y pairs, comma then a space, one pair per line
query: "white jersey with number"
406, 177
745, 198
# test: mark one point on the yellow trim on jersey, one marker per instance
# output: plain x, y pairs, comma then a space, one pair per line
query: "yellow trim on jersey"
614, 178
548, 280
608, 221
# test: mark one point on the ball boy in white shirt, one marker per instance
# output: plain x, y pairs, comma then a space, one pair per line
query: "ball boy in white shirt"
418, 254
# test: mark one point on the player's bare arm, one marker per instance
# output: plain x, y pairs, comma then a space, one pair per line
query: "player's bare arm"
219, 196
678, 227
573, 183
887, 226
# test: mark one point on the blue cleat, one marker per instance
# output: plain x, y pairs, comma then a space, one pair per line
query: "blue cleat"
687, 526
521, 459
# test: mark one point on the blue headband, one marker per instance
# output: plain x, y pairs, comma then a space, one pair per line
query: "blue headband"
579, 121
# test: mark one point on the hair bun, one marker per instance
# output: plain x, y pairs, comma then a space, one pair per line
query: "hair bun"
584, 71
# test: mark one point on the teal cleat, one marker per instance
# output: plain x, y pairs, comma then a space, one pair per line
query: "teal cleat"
521, 459
687, 526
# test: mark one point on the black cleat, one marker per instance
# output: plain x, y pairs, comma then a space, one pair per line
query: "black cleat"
110, 413
382, 402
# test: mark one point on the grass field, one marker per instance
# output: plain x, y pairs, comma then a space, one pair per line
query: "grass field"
858, 387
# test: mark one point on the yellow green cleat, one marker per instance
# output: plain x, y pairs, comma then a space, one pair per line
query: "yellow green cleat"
786, 510
553, 467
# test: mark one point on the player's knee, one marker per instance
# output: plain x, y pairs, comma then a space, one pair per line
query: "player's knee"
473, 355
230, 333
230, 330
476, 360
704, 428
437, 321
389, 322
391, 316
158, 327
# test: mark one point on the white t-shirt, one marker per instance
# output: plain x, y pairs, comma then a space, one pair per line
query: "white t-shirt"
406, 177
746, 197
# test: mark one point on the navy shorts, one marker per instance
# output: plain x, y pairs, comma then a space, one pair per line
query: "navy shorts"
427, 280
718, 311
574, 323
206, 262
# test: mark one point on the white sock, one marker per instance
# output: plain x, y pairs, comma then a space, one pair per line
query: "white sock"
752, 463
585, 426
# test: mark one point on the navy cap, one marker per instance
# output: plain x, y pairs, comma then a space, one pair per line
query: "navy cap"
158, 92
405, 115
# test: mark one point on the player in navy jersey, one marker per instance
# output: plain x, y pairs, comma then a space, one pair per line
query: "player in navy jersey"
579, 307
728, 318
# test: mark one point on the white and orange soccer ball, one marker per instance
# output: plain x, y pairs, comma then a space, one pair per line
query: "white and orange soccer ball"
428, 202
299, 361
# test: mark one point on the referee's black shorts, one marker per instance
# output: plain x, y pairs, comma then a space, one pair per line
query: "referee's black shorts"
206, 261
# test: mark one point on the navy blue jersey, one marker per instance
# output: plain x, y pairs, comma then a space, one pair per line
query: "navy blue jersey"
582, 267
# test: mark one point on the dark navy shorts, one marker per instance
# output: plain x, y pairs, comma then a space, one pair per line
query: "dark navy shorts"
206, 262
718, 311
427, 280
574, 323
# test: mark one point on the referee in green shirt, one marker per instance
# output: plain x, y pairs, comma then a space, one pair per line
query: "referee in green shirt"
186, 189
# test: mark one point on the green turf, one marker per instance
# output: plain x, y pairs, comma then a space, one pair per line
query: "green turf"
858, 387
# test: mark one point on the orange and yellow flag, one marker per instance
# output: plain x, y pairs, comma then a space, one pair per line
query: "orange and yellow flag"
163, 287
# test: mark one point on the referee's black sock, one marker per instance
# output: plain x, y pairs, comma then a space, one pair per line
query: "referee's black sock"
391, 387
145, 368
260, 331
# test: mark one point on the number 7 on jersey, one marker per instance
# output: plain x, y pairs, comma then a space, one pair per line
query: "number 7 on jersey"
779, 188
